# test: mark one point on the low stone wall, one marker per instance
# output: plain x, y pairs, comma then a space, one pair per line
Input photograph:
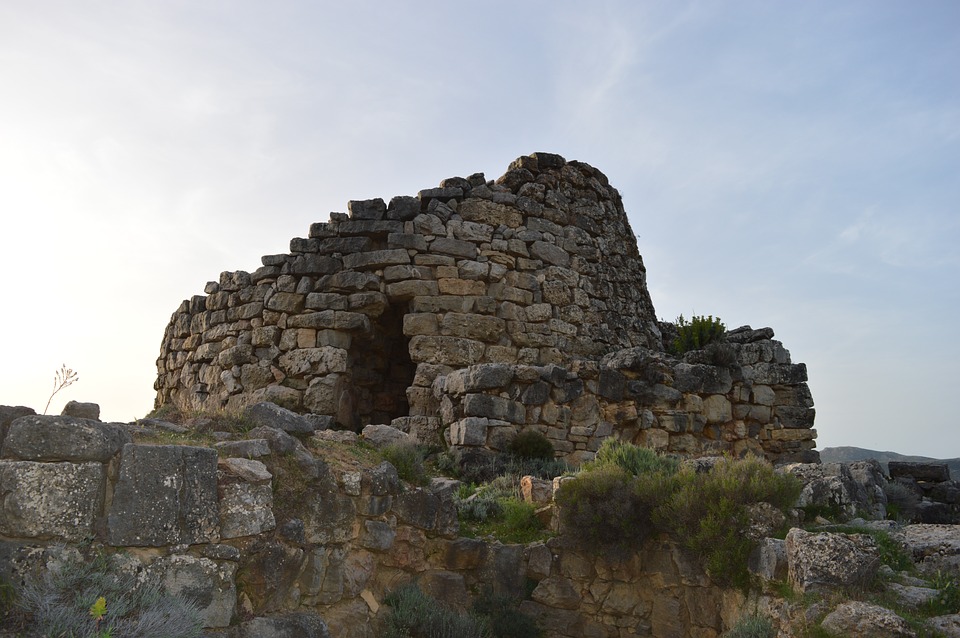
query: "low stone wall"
205, 526
755, 400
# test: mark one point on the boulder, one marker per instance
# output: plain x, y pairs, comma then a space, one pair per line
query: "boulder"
948, 625
63, 438
165, 495
246, 498
818, 561
379, 435
81, 410
919, 471
858, 619
50, 501
934, 547
273, 416
833, 487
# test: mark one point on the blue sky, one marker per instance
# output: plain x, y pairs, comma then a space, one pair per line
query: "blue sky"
783, 164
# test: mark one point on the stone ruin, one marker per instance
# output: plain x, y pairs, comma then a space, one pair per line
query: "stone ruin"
475, 310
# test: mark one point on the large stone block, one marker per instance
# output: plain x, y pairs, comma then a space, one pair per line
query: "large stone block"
819, 561
165, 495
63, 438
55, 501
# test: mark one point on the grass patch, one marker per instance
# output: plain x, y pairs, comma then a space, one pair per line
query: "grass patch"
752, 626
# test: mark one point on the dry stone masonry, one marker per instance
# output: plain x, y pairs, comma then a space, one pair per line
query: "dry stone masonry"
475, 310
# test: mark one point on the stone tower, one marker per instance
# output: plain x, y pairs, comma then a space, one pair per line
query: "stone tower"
471, 311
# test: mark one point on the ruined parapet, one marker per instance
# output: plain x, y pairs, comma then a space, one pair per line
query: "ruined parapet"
371, 318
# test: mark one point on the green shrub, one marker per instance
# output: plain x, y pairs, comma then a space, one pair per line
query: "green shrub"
61, 604
752, 626
531, 444
414, 614
601, 508
708, 512
632, 458
697, 333
408, 459
503, 618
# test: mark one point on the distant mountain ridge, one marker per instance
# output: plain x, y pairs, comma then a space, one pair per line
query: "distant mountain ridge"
842, 454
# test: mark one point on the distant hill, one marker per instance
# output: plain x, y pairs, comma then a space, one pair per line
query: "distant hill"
835, 454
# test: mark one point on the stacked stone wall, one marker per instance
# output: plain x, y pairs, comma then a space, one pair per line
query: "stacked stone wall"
381, 315
758, 402
205, 525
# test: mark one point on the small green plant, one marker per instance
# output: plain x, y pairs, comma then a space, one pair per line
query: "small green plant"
408, 459
752, 626
947, 600
414, 614
697, 333
531, 444
63, 378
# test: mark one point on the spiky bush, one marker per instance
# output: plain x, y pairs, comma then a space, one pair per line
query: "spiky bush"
697, 333
752, 626
414, 614
632, 458
708, 512
531, 444
60, 604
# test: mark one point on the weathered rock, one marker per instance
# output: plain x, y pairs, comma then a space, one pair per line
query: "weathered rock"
768, 559
63, 438
858, 619
81, 410
246, 505
934, 547
248, 448
833, 487
948, 625
165, 495
933, 472
817, 561
379, 435
50, 501
273, 416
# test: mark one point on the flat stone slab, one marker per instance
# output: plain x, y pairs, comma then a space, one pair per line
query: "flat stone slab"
50, 500
63, 438
165, 495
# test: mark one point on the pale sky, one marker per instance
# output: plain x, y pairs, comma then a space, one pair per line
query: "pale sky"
784, 164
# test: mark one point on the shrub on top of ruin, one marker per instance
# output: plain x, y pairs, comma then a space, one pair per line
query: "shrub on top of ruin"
631, 458
531, 444
696, 333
